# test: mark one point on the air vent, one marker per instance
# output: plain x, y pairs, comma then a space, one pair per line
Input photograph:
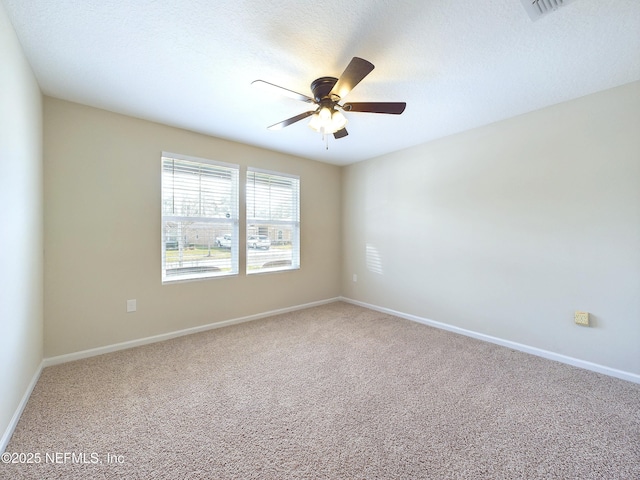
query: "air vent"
541, 8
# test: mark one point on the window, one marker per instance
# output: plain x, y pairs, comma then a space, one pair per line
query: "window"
273, 221
199, 218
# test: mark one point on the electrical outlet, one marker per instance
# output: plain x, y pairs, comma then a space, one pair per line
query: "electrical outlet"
582, 318
355, 277
132, 305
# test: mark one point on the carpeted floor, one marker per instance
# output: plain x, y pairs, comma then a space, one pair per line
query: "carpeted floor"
336, 392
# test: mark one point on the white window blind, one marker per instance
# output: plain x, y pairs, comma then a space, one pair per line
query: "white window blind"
199, 218
273, 221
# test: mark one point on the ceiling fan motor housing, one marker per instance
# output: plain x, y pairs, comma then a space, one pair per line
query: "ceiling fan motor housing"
321, 87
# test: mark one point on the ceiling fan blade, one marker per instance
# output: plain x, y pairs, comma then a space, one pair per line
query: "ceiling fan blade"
340, 133
395, 108
270, 87
357, 69
289, 121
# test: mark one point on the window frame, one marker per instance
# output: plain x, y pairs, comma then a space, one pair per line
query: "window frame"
294, 224
233, 219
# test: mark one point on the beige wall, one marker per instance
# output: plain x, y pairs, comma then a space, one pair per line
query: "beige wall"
506, 230
102, 232
21, 219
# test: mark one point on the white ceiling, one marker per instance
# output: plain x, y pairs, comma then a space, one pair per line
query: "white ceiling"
458, 64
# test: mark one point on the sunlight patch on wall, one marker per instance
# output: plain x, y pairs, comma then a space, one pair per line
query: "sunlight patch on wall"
374, 259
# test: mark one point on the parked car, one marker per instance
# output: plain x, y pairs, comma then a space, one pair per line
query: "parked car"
224, 241
259, 241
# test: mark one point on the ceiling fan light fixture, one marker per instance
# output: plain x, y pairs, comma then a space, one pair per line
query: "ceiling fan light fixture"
327, 120
325, 114
315, 122
338, 120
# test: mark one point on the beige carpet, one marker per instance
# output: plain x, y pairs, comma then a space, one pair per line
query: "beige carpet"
335, 392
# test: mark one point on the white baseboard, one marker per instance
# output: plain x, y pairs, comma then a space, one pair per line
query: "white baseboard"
4, 441
612, 372
180, 333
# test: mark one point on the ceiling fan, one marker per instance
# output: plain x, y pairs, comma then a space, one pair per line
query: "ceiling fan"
328, 92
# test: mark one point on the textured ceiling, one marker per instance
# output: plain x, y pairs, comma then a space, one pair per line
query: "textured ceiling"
458, 64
